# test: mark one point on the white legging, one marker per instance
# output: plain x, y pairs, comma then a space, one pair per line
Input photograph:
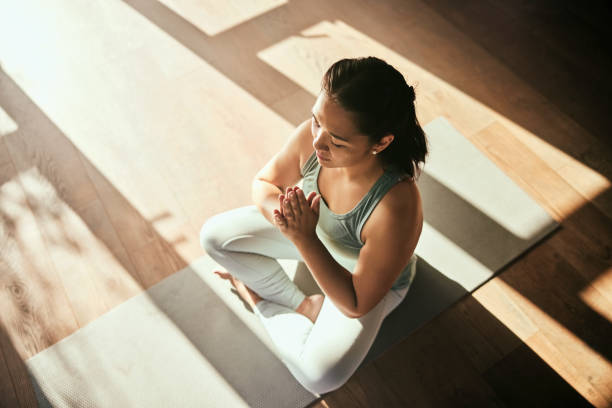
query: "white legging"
321, 356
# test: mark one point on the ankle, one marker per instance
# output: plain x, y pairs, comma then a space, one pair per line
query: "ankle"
311, 306
303, 306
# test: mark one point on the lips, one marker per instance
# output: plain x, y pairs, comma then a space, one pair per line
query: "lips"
321, 157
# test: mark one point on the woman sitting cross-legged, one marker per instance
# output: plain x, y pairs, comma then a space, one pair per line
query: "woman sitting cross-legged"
359, 159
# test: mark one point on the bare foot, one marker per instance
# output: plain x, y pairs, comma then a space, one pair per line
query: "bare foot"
245, 293
311, 306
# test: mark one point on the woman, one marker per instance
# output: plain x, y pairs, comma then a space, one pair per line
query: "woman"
355, 223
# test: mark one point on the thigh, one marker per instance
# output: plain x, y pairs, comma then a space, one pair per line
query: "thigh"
245, 229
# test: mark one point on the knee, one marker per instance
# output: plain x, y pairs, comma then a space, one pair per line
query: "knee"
222, 227
210, 238
320, 378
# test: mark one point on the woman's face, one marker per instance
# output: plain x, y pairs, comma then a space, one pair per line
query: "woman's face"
335, 137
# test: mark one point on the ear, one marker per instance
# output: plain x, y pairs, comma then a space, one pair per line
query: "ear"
384, 142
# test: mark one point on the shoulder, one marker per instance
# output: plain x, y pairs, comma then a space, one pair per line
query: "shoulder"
399, 213
391, 236
404, 195
304, 142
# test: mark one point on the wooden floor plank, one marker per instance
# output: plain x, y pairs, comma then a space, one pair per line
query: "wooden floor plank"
573, 327
45, 174
35, 310
558, 361
516, 39
19, 376
407, 369
586, 246
7, 389
522, 379
480, 337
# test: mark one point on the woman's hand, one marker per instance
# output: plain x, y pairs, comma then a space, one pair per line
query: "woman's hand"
298, 215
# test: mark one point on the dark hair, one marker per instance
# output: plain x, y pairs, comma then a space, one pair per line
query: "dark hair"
381, 102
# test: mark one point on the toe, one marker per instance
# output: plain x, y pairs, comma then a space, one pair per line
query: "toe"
222, 274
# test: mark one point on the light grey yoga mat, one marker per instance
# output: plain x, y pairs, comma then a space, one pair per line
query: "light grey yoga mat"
190, 341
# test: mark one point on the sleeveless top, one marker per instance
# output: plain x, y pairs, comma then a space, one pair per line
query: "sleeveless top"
341, 233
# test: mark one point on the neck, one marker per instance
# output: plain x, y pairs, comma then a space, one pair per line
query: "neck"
364, 170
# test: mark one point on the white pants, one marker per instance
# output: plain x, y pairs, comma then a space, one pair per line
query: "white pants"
321, 356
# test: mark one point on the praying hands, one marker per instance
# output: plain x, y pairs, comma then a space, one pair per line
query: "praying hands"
298, 215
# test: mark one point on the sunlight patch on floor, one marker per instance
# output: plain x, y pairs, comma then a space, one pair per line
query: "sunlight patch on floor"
565, 352
145, 111
85, 266
214, 17
593, 295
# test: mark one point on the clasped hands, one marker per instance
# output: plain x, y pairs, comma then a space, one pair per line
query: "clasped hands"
297, 215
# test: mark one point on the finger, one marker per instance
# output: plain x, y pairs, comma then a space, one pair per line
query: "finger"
281, 199
287, 210
299, 193
223, 275
290, 189
311, 196
295, 203
278, 214
278, 218
282, 226
316, 204
302, 199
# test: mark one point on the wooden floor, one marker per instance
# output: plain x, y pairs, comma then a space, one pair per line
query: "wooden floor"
125, 125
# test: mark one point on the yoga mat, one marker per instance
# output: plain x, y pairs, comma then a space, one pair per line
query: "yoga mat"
190, 341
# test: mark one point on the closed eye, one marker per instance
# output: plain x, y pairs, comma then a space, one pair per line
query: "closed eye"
317, 125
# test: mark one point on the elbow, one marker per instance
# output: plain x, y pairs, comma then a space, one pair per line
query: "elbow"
356, 314
256, 186
256, 180
351, 312
361, 308
352, 315
355, 311
261, 186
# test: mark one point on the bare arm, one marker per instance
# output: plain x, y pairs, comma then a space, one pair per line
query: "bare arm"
265, 197
281, 172
390, 240
335, 281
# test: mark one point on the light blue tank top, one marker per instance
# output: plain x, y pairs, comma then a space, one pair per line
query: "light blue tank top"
341, 233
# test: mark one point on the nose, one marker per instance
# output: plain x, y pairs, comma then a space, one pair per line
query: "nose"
320, 141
